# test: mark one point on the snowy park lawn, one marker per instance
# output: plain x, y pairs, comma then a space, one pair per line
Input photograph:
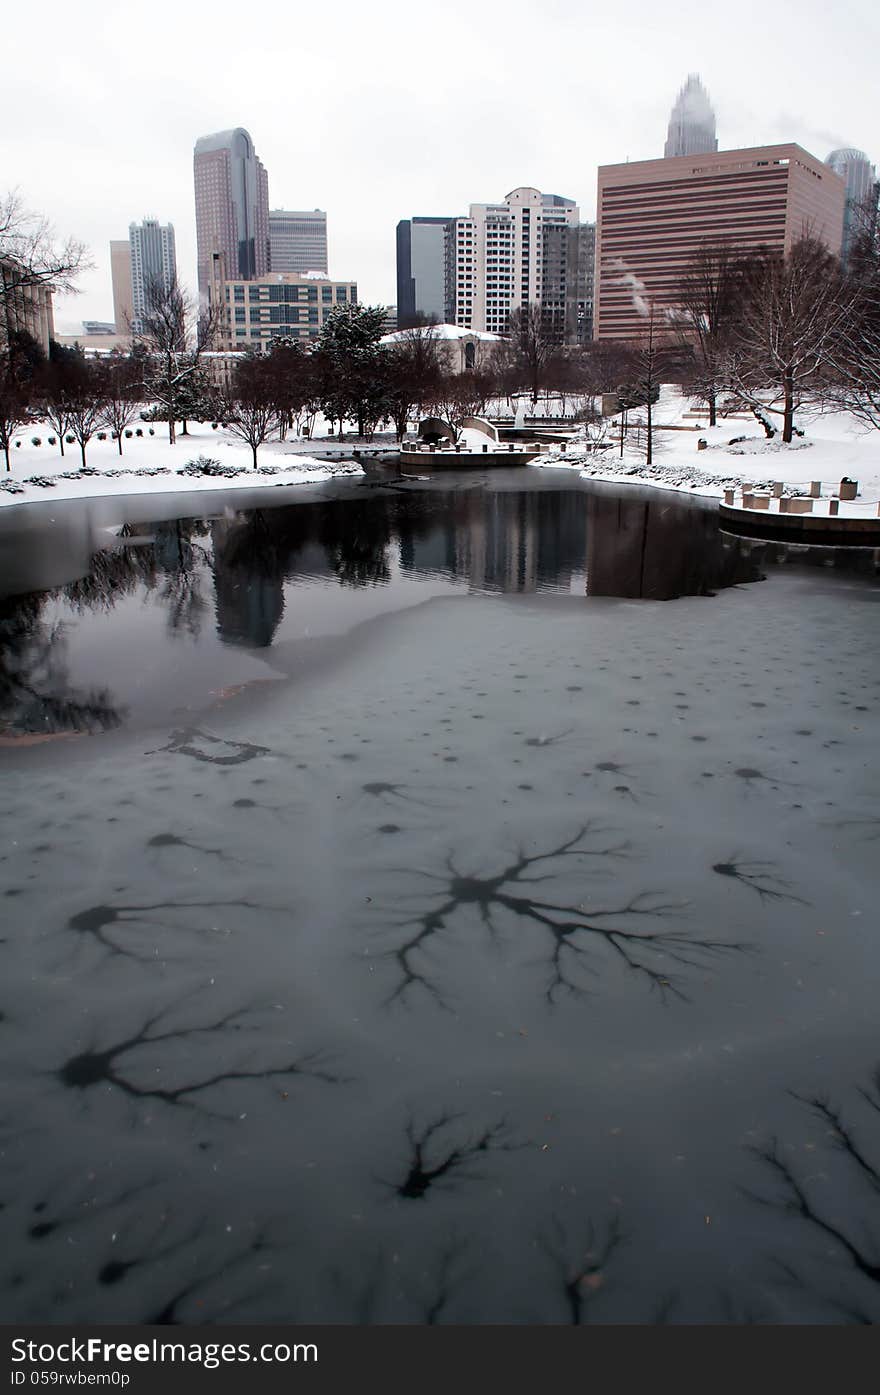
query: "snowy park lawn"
834, 446
280, 463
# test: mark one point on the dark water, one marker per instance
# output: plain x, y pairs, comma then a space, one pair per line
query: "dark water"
441, 922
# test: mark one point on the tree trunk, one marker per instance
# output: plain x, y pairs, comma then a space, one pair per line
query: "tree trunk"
6, 453
82, 450
254, 452
788, 414
713, 417
183, 430
171, 426
649, 456
119, 441
61, 442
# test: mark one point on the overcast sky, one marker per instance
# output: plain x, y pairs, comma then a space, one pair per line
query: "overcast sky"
381, 110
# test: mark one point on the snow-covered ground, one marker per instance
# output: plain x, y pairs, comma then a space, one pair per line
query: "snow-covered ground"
834, 446
150, 465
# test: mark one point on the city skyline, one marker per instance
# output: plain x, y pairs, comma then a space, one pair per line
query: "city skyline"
386, 138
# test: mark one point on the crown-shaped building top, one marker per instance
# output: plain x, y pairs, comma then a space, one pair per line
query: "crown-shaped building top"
692, 123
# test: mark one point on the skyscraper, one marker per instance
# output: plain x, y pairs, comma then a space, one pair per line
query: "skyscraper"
153, 261
421, 270
860, 178
297, 240
692, 123
232, 207
120, 272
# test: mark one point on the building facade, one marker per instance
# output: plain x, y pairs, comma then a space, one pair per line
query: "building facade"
655, 215
279, 306
421, 271
860, 178
26, 307
692, 122
120, 272
153, 262
297, 240
232, 207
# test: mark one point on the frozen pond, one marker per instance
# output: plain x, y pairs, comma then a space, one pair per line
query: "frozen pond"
442, 923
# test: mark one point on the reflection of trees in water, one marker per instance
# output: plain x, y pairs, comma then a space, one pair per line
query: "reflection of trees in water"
171, 567
249, 568
831, 1190
35, 692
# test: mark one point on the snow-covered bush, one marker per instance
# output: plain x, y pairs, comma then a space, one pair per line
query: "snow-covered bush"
204, 465
138, 431
52, 440
71, 440
36, 441
102, 435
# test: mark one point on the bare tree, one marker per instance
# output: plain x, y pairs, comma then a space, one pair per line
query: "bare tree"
15, 409
787, 333
250, 411
857, 360
121, 390
413, 368
456, 396
535, 344
708, 302
86, 406
31, 258
174, 334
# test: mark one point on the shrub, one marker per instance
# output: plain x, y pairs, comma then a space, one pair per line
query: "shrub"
151, 431
214, 425
36, 441
102, 435
52, 440
138, 431
204, 465
18, 445
71, 440
128, 435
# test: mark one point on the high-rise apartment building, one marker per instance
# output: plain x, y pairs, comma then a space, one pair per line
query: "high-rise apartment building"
567, 275
692, 122
297, 240
495, 260
862, 189
655, 215
232, 207
153, 262
421, 271
120, 272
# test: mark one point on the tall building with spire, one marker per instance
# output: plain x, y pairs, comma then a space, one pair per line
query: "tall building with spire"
692, 123
232, 208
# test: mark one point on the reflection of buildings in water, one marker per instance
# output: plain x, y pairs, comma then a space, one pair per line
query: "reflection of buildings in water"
248, 585
432, 553
496, 543
519, 542
658, 550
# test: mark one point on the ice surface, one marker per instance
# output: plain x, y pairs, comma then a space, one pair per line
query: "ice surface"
466, 976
